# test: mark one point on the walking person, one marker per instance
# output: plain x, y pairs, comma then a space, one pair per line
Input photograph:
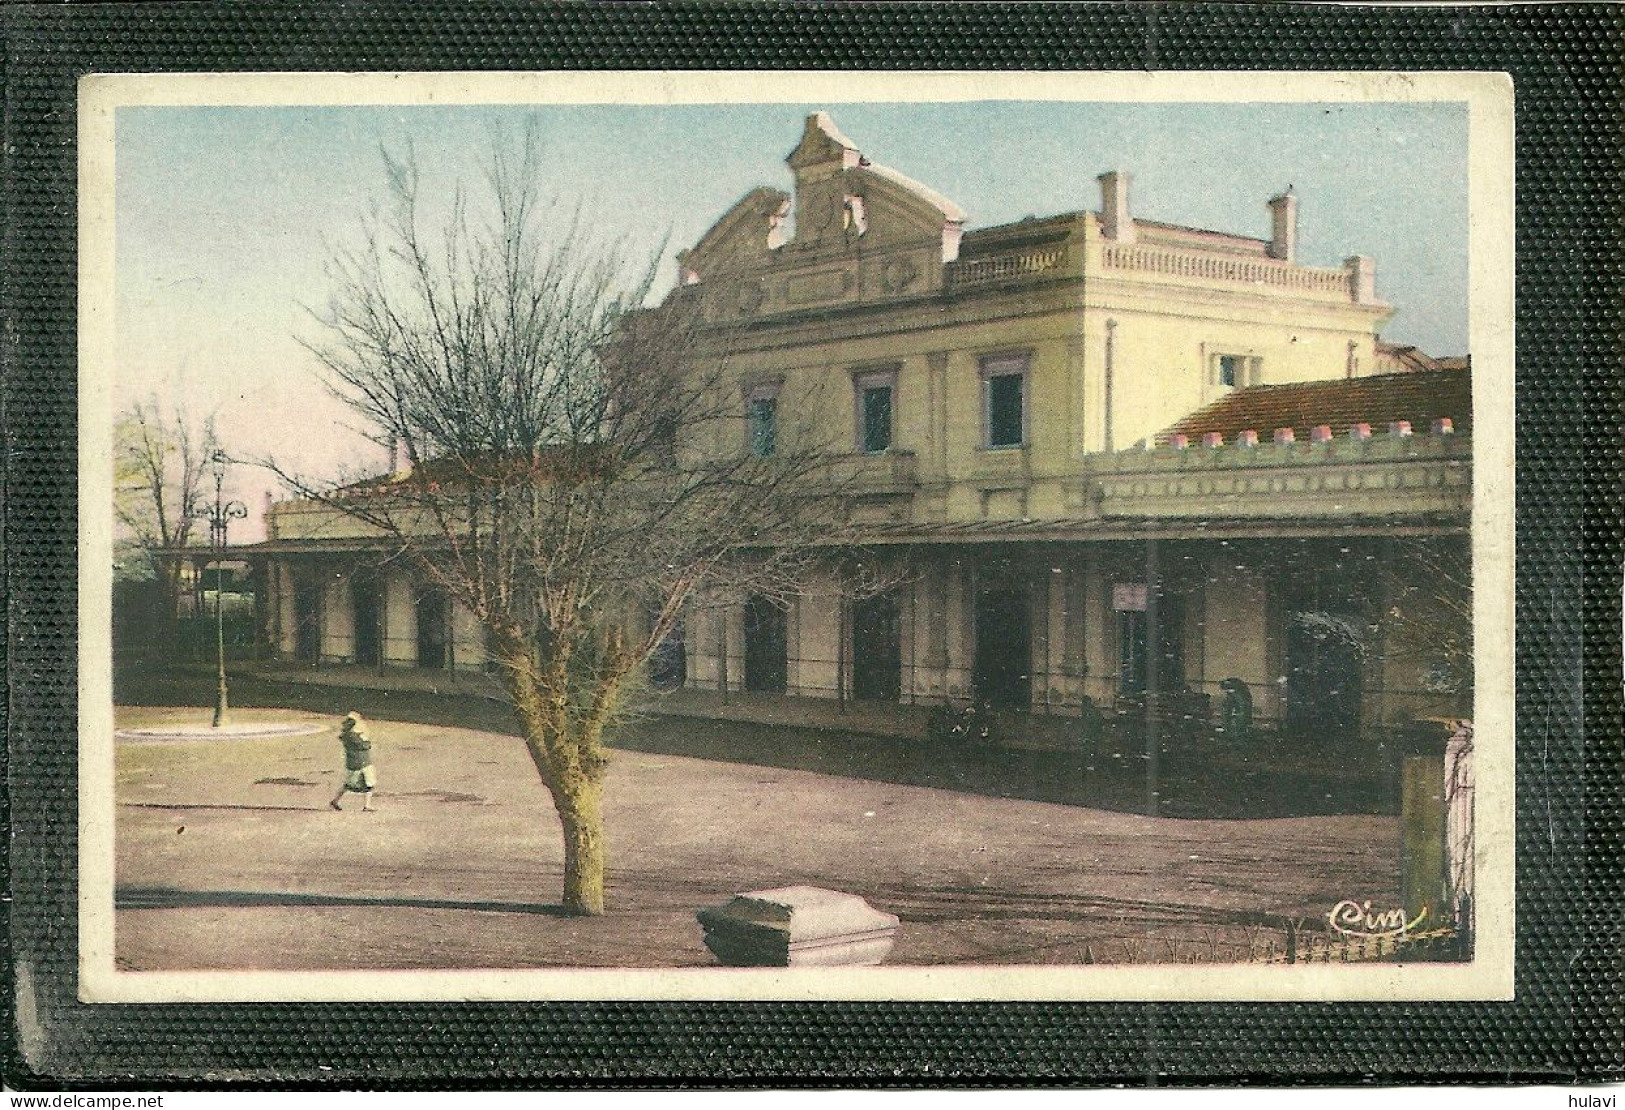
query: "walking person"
359, 776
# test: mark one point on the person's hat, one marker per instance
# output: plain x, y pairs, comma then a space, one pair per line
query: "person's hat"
351, 720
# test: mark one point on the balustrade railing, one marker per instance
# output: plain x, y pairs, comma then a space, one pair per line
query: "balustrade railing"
1000, 267
1192, 264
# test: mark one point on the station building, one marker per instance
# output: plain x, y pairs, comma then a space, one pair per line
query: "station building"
1097, 453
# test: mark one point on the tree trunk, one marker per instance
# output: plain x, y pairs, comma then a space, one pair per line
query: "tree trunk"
577, 789
582, 816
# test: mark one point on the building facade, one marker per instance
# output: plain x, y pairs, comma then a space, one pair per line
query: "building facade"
1098, 456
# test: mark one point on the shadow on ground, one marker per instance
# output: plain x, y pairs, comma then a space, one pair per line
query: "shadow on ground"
1186, 789
168, 898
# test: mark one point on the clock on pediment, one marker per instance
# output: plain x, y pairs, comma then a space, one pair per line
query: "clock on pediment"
825, 212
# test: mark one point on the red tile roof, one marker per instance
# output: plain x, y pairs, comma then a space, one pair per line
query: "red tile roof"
1420, 396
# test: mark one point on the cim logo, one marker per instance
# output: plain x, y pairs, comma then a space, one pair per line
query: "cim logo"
1355, 919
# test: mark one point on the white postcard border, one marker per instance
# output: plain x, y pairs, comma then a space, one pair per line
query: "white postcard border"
1489, 976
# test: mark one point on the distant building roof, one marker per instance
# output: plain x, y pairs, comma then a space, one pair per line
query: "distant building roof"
1419, 396
1394, 358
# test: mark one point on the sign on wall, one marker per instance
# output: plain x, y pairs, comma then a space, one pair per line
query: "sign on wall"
1128, 597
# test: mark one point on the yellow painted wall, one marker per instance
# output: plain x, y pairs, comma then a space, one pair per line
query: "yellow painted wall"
468, 639
1235, 634
287, 622
1164, 336
400, 621
338, 620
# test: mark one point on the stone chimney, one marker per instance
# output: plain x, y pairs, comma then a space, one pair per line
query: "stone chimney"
1362, 278
1115, 221
1283, 226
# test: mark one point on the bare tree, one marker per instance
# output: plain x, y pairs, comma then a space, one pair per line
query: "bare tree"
1428, 585
161, 458
578, 467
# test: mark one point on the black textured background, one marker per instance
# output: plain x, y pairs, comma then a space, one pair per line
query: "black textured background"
1566, 1021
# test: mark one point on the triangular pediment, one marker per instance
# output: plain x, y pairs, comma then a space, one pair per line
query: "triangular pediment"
861, 230
744, 238
899, 209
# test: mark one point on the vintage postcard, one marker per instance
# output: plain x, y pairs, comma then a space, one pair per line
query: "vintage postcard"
796, 536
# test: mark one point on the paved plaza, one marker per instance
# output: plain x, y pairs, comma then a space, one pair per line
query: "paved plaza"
228, 856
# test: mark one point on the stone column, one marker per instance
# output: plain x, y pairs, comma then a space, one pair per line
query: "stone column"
908, 636
794, 649
271, 615
1098, 663
1073, 625
958, 603
383, 620
1039, 586
936, 619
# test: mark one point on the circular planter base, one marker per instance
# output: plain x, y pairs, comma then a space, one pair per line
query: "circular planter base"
246, 731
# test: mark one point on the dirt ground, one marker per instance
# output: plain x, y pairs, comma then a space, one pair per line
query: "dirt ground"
229, 857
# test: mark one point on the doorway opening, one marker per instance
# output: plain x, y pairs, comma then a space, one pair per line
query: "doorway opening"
367, 609
1134, 649
434, 629
307, 623
1324, 665
668, 666
877, 649
1004, 649
767, 663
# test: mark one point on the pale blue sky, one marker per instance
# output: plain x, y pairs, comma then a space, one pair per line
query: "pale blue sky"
225, 214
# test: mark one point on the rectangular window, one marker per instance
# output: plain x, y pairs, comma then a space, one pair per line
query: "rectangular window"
876, 404
762, 420
1235, 371
877, 418
1004, 400
1133, 649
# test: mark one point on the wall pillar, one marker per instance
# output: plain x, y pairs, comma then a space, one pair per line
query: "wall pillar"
936, 366
337, 642
1073, 624
1077, 388
1099, 635
932, 681
1040, 590
960, 610
400, 621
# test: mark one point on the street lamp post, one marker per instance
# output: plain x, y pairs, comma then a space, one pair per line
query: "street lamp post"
219, 515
